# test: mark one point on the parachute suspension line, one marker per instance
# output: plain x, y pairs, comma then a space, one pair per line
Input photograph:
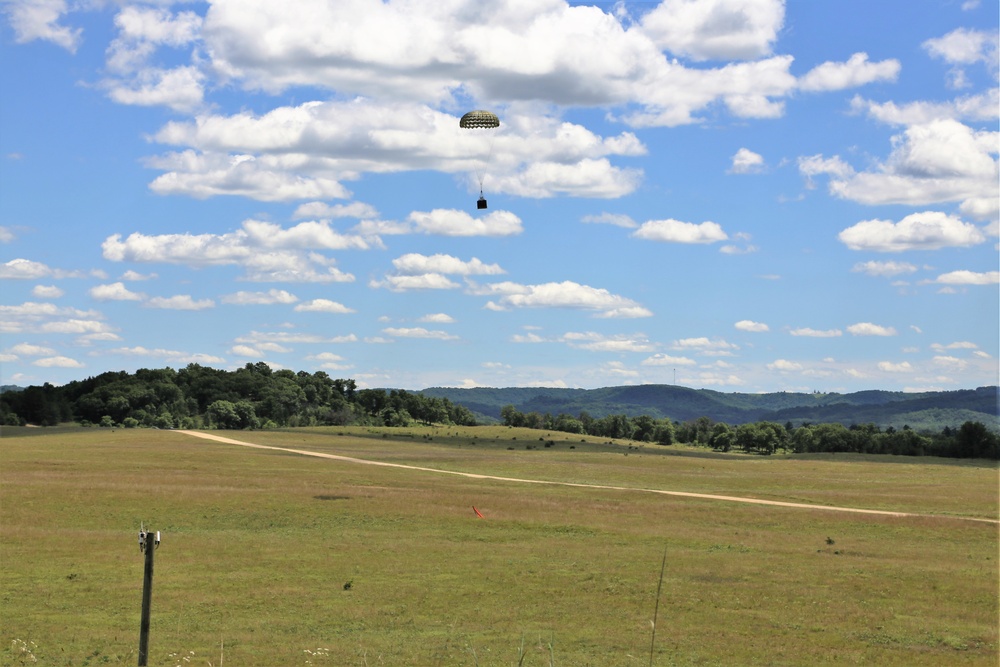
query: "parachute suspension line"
489, 156
481, 120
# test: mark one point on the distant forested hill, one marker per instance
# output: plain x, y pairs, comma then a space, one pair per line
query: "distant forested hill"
924, 410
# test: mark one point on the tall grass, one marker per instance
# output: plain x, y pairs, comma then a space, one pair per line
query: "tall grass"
257, 546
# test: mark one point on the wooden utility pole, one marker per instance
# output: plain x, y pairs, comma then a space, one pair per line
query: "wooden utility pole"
148, 541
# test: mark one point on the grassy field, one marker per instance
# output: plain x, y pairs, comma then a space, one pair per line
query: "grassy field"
258, 546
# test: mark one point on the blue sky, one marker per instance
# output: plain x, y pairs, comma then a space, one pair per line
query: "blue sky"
742, 195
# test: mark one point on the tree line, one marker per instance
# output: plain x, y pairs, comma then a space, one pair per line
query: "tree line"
970, 440
256, 396
196, 396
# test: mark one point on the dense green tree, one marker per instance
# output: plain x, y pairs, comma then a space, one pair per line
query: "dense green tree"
222, 414
723, 438
567, 424
664, 434
373, 401
511, 416
643, 428
974, 440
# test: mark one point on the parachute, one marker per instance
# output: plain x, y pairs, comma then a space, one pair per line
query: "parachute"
486, 122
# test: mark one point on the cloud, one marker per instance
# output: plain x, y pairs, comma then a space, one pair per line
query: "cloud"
939, 161
262, 338
784, 365
716, 29
438, 318
528, 338
745, 161
323, 306
318, 209
39, 19
451, 222
964, 47
715, 347
181, 89
667, 360
616, 219
978, 107
566, 294
35, 317
750, 325
268, 252
29, 350
329, 357
587, 177
869, 329
142, 29
857, 71
136, 276
421, 282
597, 342
57, 362
952, 363
415, 263
552, 53
267, 298
815, 165
46, 291
890, 367
265, 178
232, 248
416, 271
957, 345
75, 326
418, 332
816, 333
180, 302
245, 351
305, 152
929, 230
26, 269
969, 278
175, 356
133, 80
115, 292
884, 269
675, 231
744, 247
6, 235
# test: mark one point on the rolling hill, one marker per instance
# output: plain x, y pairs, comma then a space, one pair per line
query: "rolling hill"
925, 410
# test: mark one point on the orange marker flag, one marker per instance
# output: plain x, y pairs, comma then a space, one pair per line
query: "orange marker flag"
477, 512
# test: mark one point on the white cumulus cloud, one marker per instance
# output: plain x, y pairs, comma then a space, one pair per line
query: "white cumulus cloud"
857, 71
751, 326
676, 231
323, 306
115, 292
566, 294
745, 161
869, 329
180, 302
929, 230
969, 278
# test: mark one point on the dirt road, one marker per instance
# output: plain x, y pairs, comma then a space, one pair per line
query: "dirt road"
684, 494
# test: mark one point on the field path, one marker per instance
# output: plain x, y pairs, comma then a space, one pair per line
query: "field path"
683, 494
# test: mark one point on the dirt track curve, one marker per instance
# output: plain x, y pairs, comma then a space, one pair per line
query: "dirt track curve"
684, 494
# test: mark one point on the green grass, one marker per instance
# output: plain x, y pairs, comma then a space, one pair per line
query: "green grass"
257, 546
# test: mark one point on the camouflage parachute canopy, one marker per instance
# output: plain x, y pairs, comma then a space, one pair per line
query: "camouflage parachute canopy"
479, 119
